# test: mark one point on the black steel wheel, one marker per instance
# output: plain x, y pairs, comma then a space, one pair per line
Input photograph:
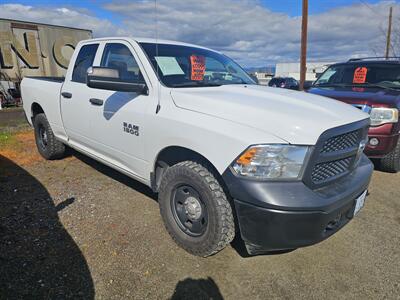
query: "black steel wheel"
195, 209
42, 139
189, 211
48, 146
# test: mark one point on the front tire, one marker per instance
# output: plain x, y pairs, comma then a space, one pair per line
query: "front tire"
47, 144
195, 209
391, 162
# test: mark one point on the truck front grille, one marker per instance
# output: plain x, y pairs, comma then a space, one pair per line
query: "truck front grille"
325, 171
334, 155
341, 142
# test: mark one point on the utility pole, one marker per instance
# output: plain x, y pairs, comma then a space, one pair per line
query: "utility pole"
303, 54
389, 32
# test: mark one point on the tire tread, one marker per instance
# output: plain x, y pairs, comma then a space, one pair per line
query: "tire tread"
56, 149
226, 227
391, 162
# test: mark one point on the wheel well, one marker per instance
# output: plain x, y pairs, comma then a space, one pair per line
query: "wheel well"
36, 109
171, 156
174, 154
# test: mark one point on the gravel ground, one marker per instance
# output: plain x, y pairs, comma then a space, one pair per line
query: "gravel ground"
76, 229
12, 119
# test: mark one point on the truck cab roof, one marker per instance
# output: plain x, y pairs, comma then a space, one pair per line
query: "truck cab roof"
147, 40
370, 60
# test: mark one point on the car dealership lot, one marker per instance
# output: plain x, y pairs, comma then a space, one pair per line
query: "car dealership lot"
75, 228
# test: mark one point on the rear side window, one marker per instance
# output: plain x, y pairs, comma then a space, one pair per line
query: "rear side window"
83, 62
118, 56
387, 74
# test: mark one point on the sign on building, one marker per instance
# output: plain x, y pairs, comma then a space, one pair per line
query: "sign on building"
32, 49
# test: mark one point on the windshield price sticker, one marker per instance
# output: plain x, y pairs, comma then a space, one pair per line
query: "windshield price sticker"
169, 65
360, 75
198, 67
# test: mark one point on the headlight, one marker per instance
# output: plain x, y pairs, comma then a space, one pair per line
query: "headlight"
271, 162
383, 115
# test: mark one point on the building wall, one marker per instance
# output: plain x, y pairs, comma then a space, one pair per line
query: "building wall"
293, 70
30, 49
263, 78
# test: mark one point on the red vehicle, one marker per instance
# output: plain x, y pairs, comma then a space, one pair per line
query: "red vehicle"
372, 85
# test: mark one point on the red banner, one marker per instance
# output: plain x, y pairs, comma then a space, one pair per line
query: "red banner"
360, 75
198, 67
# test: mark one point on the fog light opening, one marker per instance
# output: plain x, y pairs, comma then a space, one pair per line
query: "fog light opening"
334, 223
374, 142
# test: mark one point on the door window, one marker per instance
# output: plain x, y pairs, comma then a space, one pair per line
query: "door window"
83, 62
118, 56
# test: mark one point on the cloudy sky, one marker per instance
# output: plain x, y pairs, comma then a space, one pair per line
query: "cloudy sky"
253, 32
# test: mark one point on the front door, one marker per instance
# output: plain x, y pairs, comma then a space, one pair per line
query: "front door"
118, 119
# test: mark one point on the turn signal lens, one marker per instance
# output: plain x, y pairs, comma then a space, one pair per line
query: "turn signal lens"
247, 156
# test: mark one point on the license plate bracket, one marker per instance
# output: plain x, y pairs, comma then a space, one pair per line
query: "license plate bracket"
359, 203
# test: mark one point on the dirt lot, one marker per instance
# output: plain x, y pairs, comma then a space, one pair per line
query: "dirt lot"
76, 229
12, 118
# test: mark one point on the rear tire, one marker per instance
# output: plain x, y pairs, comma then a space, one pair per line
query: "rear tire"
195, 209
48, 146
391, 162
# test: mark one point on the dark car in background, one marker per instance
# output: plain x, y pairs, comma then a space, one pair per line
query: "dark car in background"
372, 85
284, 82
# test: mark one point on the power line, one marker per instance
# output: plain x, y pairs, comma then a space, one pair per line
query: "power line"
369, 6
379, 27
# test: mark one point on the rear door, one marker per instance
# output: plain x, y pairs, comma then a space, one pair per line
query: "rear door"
75, 95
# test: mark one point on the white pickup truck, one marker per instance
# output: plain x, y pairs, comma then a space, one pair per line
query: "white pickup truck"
226, 156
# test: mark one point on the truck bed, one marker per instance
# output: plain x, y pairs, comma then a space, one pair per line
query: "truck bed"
43, 92
48, 78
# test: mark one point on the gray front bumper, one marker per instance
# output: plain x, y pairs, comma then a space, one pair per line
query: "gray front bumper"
286, 215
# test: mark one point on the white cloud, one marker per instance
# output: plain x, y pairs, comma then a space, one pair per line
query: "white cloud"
255, 35
60, 16
243, 29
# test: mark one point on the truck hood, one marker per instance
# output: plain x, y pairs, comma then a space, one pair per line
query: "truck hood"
365, 95
296, 117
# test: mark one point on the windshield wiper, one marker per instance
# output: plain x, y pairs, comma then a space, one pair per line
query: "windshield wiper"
241, 83
362, 85
332, 85
193, 84
382, 86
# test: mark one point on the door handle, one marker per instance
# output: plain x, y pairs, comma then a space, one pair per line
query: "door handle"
96, 101
66, 95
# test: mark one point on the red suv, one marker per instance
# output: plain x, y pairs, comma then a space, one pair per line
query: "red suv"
372, 85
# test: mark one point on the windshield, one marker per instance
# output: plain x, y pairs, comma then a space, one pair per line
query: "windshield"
371, 74
183, 66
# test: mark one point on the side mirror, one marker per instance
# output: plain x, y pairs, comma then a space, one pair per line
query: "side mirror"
109, 79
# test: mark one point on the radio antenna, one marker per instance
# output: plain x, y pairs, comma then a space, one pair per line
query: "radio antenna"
158, 82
